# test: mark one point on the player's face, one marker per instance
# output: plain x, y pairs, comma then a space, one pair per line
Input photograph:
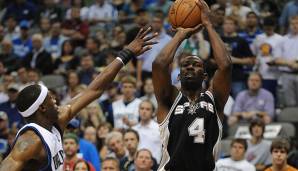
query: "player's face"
143, 161
254, 82
131, 141
279, 156
145, 111
81, 167
191, 73
51, 108
109, 165
70, 147
237, 151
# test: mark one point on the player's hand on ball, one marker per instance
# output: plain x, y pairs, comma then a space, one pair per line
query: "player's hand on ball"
143, 41
205, 12
187, 32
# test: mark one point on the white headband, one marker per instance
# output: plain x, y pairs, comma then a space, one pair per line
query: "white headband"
33, 108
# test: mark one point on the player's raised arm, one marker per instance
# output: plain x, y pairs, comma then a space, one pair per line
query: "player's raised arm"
221, 83
161, 73
27, 148
139, 45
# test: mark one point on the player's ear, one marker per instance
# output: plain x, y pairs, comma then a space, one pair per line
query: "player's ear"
42, 108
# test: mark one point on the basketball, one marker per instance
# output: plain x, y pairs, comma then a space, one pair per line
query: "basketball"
184, 13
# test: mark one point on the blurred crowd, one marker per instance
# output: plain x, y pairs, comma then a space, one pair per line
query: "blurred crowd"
64, 44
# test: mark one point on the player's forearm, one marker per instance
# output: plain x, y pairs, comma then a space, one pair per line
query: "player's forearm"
220, 53
165, 58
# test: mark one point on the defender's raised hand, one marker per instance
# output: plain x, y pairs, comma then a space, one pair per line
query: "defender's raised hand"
142, 41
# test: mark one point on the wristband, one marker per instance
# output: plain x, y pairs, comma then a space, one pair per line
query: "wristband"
125, 55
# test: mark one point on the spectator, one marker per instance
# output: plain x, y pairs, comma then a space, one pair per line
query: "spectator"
289, 10
87, 149
34, 76
268, 9
287, 60
242, 57
90, 134
68, 60
9, 107
70, 147
253, 103
280, 150
22, 10
22, 45
237, 160
131, 142
8, 58
45, 27
101, 133
265, 48
162, 5
51, 10
148, 130
83, 165
114, 141
143, 160
39, 58
12, 31
125, 110
149, 92
93, 48
258, 149
83, 9
110, 164
53, 43
76, 29
4, 132
238, 10
22, 77
251, 29
93, 115
144, 65
87, 69
2, 34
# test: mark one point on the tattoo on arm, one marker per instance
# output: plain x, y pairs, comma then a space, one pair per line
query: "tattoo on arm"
22, 146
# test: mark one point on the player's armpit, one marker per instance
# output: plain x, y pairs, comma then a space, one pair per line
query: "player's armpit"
28, 147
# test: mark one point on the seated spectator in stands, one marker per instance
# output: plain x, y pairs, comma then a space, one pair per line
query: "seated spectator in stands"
90, 134
11, 30
265, 48
4, 132
114, 141
237, 160
22, 45
290, 9
9, 59
2, 34
84, 10
125, 110
149, 92
93, 48
45, 27
131, 142
143, 160
53, 43
83, 165
39, 58
50, 9
75, 29
148, 130
280, 150
258, 149
110, 164
68, 60
22, 10
162, 5
9, 107
87, 149
255, 102
71, 147
238, 10
87, 71
34, 76
242, 56
101, 133
287, 60
251, 29
92, 115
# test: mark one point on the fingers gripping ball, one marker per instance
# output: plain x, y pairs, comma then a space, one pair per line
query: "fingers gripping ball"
184, 13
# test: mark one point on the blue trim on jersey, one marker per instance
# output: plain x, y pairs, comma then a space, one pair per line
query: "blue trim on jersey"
48, 167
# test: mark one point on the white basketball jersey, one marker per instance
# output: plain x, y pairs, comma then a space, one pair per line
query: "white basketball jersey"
52, 142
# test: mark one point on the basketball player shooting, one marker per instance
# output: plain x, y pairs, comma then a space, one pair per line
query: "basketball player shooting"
189, 119
38, 144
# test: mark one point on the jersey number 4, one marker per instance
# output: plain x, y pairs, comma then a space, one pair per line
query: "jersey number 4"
196, 129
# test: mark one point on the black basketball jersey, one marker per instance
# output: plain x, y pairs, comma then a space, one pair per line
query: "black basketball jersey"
190, 135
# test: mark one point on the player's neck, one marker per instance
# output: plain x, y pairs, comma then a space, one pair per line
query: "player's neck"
192, 95
43, 122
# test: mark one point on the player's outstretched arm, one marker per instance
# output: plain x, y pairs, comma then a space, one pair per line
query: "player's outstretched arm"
138, 46
161, 73
28, 147
221, 82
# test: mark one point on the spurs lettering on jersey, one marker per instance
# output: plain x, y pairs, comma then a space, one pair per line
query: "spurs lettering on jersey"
205, 105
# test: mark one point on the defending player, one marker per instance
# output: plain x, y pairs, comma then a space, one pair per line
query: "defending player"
190, 119
38, 144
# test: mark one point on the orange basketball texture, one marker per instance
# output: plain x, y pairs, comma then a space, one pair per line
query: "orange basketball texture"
184, 13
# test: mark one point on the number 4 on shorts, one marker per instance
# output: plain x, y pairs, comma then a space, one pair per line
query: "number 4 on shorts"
196, 129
